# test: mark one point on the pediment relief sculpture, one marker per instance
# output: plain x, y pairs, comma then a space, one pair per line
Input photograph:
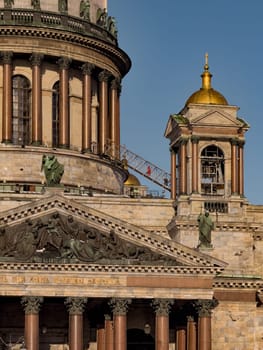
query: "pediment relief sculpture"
59, 238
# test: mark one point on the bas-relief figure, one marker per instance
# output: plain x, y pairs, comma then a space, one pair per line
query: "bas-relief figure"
61, 238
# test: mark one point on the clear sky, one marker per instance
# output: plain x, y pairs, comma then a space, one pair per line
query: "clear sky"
167, 41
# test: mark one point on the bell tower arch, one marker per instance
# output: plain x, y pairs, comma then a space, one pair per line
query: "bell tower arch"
207, 140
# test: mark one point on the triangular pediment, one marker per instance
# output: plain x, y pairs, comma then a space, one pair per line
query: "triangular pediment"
216, 117
60, 230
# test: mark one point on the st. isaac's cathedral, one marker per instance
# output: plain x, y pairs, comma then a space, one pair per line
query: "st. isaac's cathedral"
87, 260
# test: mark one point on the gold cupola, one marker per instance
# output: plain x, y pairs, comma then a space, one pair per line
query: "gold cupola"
206, 94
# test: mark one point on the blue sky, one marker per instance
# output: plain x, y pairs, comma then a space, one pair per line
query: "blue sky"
167, 41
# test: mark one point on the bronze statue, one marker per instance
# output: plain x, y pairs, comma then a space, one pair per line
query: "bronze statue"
84, 9
206, 225
8, 3
62, 5
111, 26
53, 170
35, 4
102, 17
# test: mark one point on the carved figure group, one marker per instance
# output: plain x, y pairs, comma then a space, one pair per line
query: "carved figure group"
58, 237
53, 170
107, 22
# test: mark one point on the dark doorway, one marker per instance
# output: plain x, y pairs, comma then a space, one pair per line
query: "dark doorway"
138, 340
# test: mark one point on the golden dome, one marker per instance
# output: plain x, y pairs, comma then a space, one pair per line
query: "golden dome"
207, 95
132, 181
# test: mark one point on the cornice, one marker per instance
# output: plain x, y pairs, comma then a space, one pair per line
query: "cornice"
118, 56
238, 283
127, 269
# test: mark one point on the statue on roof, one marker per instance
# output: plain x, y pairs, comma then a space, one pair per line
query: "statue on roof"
84, 9
63, 6
111, 26
53, 170
35, 4
102, 17
8, 3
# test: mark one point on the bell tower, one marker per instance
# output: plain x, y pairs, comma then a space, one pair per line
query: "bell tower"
207, 153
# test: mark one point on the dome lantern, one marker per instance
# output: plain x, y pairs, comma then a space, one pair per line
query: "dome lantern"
206, 94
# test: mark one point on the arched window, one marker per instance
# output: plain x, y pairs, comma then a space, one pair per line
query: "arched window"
21, 121
55, 115
212, 171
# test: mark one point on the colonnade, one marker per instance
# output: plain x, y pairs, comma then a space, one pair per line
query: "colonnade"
113, 334
180, 157
108, 111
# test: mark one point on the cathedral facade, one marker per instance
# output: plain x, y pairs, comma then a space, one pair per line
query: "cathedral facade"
83, 264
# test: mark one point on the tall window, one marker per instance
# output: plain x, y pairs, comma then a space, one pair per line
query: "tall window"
212, 171
55, 115
21, 121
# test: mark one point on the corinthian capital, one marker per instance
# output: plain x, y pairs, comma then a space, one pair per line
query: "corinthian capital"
36, 59
75, 306
162, 307
119, 306
204, 307
7, 57
64, 62
32, 304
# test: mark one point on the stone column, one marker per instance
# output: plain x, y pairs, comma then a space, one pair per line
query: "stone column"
87, 70
109, 335
36, 60
191, 333
114, 119
195, 172
7, 97
32, 306
103, 111
64, 64
101, 339
241, 168
183, 170
119, 309
234, 172
162, 308
181, 338
75, 308
173, 174
204, 310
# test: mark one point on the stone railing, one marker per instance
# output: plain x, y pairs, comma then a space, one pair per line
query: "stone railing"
47, 19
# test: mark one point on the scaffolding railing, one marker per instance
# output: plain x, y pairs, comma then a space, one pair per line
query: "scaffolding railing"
145, 168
